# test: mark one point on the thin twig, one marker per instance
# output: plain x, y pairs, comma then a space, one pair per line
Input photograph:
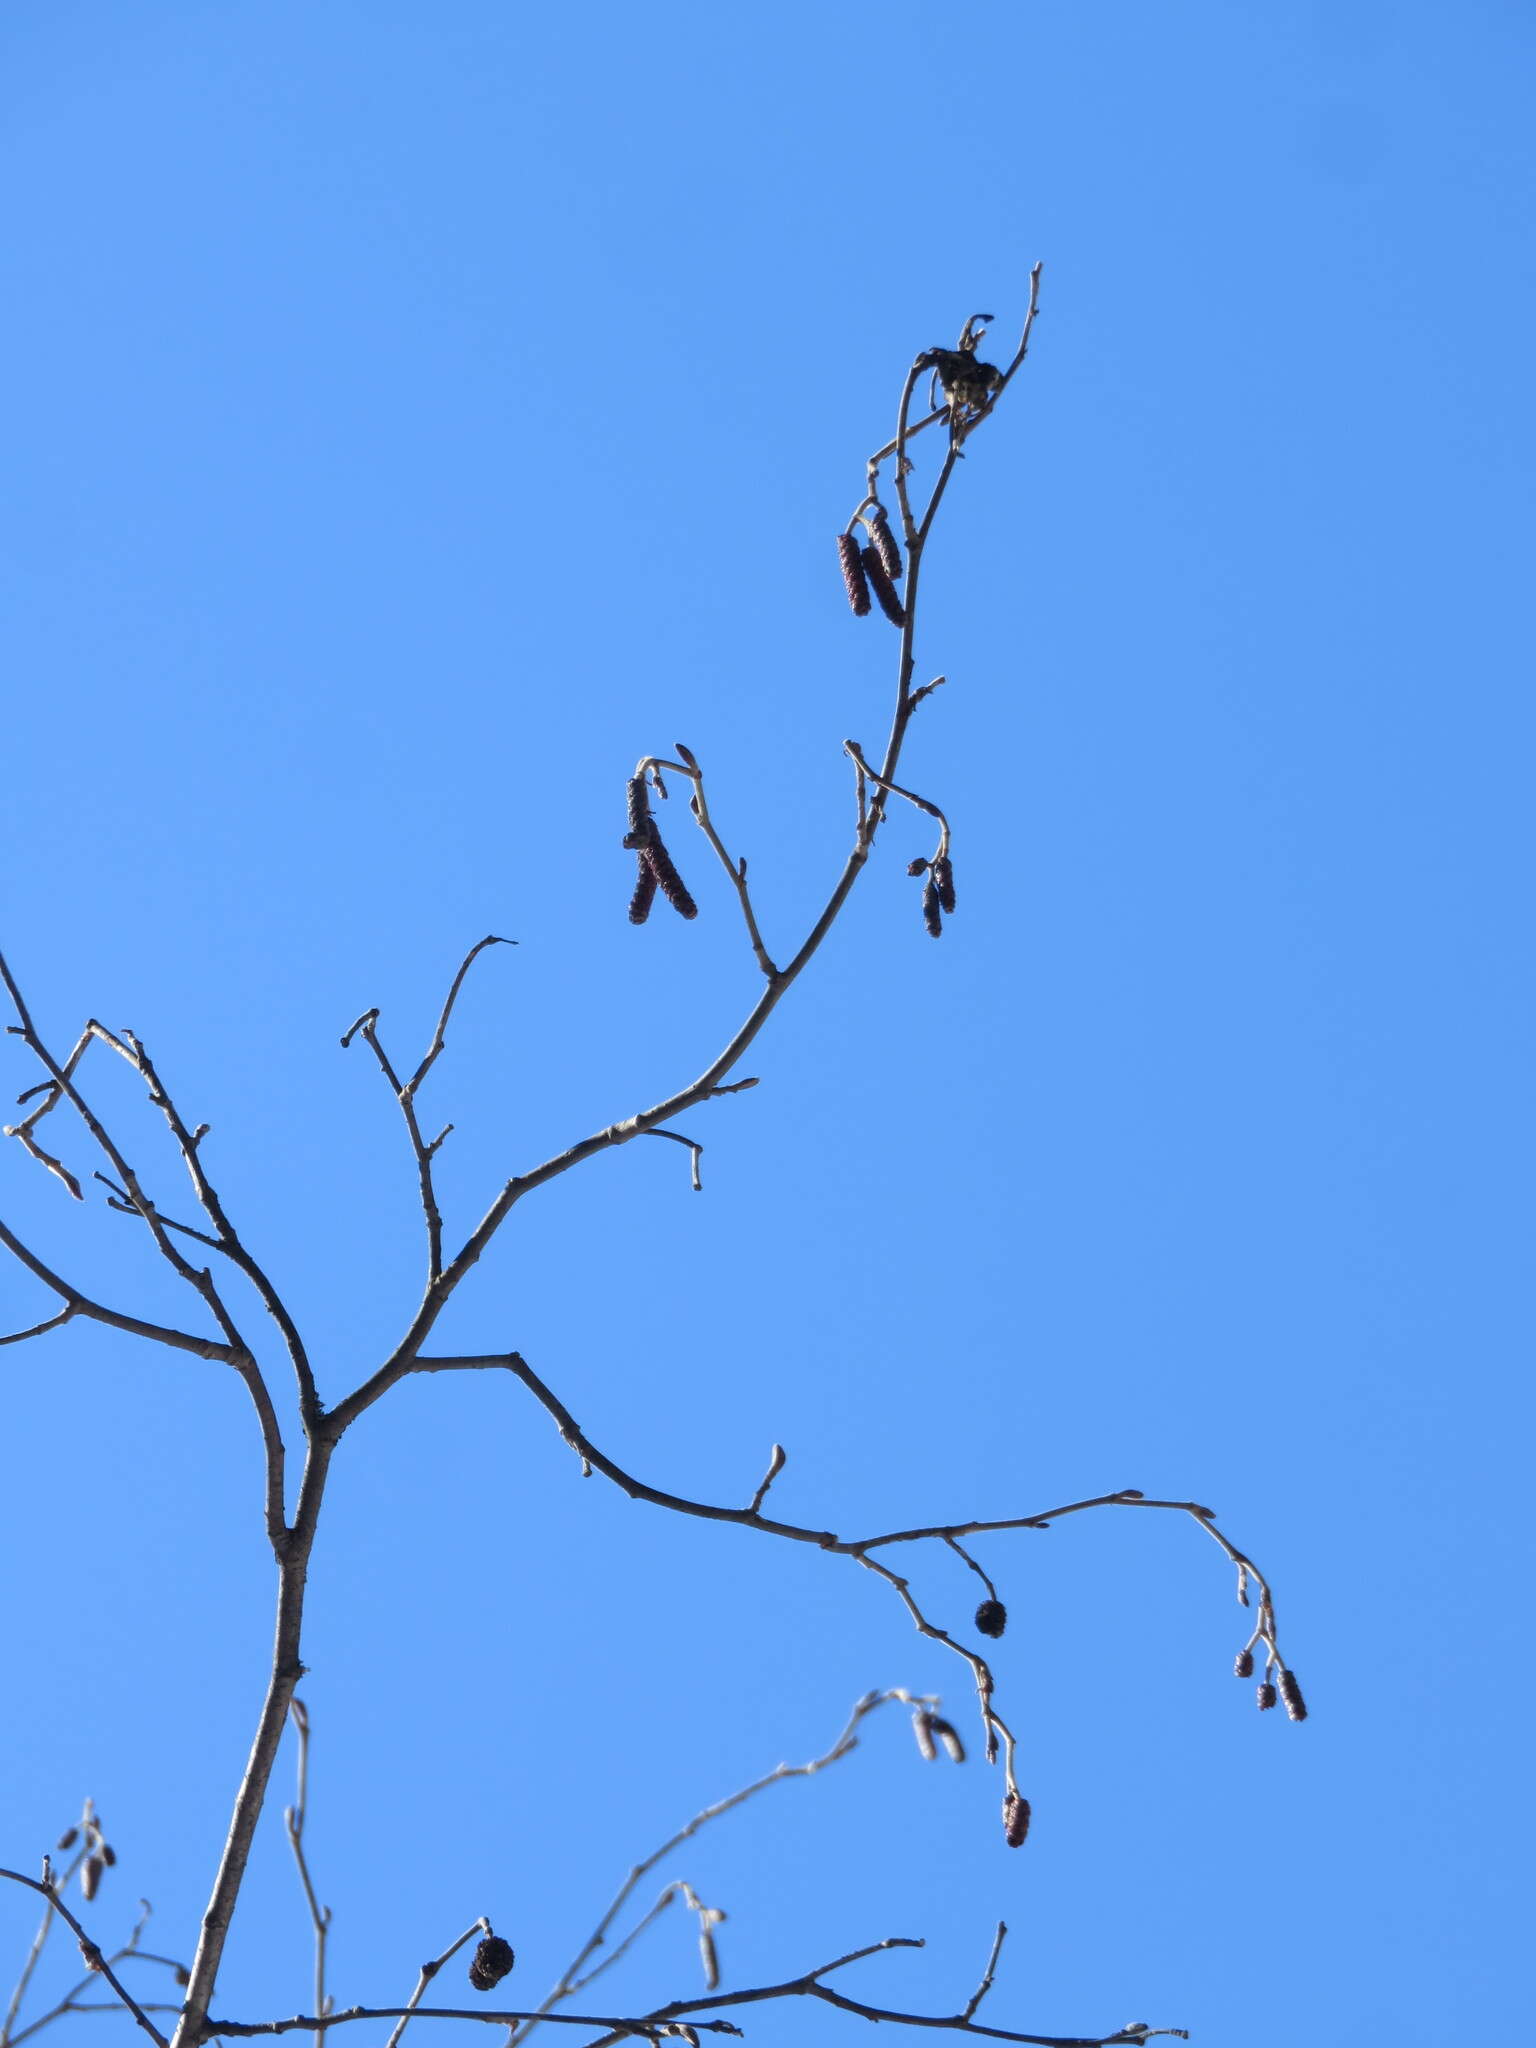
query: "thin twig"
92, 1954
405, 1094
576, 1975
615, 2031
988, 1973
694, 1147
858, 1548
429, 1971
294, 1818
698, 803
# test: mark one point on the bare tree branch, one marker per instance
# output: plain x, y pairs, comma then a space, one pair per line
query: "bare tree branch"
661, 2019
94, 1958
405, 1094
294, 1818
429, 1971
576, 1976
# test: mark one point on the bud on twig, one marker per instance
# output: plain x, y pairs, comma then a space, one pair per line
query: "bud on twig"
1015, 1819
490, 1962
932, 920
645, 893
882, 586
1267, 1697
885, 546
944, 876
1290, 1692
68, 1839
1243, 1667
853, 574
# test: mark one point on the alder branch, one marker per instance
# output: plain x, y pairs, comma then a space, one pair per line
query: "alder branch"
709, 1082
698, 803
994, 1729
294, 1818
405, 1092
61, 1085
95, 1960
575, 1977
662, 2019
428, 1971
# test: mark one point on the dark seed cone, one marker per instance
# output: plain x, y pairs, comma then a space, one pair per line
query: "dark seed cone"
882, 586
668, 880
1290, 1693
1267, 1697
885, 546
645, 893
108, 1854
918, 866
1243, 1667
931, 914
944, 875
853, 574
641, 828
947, 1733
922, 1728
490, 1962
991, 1617
1015, 1820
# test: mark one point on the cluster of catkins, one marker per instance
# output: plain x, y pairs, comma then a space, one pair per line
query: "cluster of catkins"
1281, 1690
490, 1962
938, 892
874, 567
654, 863
99, 1854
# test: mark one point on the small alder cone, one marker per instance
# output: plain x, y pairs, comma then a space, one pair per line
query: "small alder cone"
1267, 1697
991, 1617
853, 574
1290, 1693
944, 876
490, 1962
1015, 1820
1243, 1667
645, 893
882, 586
885, 546
933, 920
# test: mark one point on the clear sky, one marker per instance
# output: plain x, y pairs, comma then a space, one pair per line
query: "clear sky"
417, 413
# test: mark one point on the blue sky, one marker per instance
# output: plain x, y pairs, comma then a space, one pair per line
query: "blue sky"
418, 414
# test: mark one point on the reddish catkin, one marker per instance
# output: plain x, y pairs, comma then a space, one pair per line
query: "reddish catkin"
885, 546
490, 1962
1243, 1665
853, 574
645, 892
949, 1735
668, 880
882, 586
991, 1617
944, 875
90, 1876
1290, 1693
932, 919
1015, 1819
1267, 1697
640, 826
